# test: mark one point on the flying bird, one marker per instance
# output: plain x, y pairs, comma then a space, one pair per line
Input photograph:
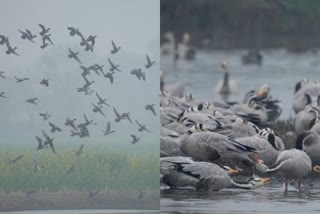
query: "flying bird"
45, 82
108, 129
2, 95
54, 128
74, 55
142, 127
48, 141
135, 139
80, 150
113, 66
45, 116
115, 49
32, 101
71, 169
44, 30
70, 122
97, 109
109, 75
149, 63
13, 161
36, 165
101, 101
18, 80
73, 31
151, 108
2, 75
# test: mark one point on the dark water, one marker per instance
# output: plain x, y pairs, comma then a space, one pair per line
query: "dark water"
280, 69
263, 200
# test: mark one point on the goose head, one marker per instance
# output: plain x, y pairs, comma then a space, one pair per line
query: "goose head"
260, 165
229, 170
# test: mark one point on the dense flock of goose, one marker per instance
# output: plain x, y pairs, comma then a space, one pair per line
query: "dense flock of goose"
77, 127
199, 138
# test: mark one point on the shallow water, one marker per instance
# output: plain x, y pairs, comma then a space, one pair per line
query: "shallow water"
85, 212
280, 69
262, 200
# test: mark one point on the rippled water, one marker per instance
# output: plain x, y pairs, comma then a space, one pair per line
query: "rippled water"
262, 200
280, 70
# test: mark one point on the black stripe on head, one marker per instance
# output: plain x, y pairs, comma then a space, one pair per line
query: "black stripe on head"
318, 101
201, 127
272, 140
297, 87
312, 122
300, 138
308, 99
200, 107
180, 116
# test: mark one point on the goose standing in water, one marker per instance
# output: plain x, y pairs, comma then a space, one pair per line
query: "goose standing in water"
225, 88
309, 142
290, 164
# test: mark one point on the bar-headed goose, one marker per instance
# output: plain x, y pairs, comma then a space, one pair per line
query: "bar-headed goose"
290, 164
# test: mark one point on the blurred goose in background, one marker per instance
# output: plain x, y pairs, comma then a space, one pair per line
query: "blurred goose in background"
290, 164
307, 93
309, 142
305, 119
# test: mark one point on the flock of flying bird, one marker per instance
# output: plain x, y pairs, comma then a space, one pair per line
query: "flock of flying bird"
79, 129
197, 137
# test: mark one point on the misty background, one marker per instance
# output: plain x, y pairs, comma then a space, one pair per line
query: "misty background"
134, 27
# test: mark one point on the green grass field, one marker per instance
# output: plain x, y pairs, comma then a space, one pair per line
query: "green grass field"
96, 168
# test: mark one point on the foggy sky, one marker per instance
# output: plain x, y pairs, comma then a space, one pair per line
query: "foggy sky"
133, 25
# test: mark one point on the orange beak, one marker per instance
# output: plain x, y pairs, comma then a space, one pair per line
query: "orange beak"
317, 168
256, 159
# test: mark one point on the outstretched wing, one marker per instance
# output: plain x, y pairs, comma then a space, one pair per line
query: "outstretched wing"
148, 59
110, 62
117, 113
113, 44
